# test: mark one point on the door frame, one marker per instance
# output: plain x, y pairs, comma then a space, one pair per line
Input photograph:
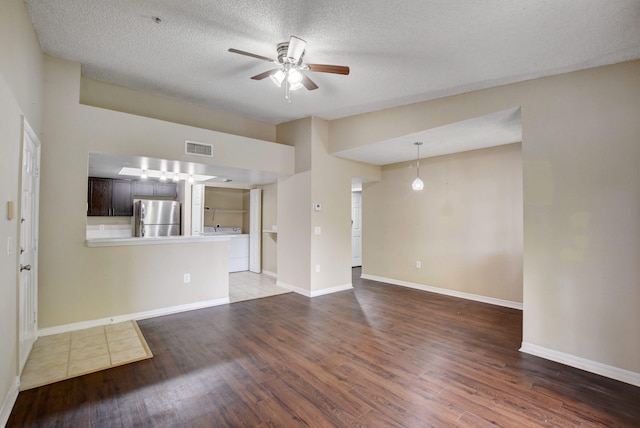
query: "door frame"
255, 230
356, 221
28, 137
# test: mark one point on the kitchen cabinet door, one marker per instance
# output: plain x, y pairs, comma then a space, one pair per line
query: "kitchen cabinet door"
121, 198
99, 197
167, 190
144, 188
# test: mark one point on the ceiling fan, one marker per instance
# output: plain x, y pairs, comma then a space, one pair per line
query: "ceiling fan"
290, 66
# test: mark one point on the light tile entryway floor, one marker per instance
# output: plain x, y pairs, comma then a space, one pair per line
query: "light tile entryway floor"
66, 355
249, 285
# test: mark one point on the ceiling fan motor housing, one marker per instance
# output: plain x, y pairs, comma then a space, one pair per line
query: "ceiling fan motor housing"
282, 49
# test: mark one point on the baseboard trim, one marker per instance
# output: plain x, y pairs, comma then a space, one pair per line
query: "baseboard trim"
269, 273
133, 316
9, 401
331, 290
447, 292
314, 293
612, 372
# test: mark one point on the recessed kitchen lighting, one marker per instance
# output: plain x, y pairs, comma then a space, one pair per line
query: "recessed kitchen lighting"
157, 174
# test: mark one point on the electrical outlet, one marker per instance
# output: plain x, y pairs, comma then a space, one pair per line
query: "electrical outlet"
187, 278
418, 264
317, 268
318, 230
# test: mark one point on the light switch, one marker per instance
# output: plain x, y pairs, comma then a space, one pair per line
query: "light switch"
10, 210
318, 231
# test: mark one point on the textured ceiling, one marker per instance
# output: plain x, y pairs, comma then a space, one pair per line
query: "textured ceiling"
399, 52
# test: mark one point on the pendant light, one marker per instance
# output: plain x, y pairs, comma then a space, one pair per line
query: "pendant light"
417, 183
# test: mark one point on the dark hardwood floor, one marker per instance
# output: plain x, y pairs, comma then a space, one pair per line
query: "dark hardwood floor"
379, 355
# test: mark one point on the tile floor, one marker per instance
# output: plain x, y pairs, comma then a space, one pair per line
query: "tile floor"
66, 355
248, 285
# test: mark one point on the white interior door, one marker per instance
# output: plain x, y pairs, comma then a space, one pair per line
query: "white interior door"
255, 230
29, 200
356, 229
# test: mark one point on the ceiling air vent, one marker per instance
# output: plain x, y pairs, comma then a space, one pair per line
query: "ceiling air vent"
198, 149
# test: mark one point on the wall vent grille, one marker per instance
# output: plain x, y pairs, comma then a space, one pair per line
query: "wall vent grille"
198, 149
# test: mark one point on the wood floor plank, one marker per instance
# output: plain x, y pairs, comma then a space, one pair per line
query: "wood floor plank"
377, 355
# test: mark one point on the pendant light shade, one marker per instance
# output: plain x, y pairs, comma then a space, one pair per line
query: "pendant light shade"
417, 184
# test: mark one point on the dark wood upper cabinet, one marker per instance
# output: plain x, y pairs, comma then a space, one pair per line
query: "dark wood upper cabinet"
114, 197
144, 188
121, 198
167, 190
99, 196
155, 189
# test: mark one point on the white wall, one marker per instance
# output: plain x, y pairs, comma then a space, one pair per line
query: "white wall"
20, 95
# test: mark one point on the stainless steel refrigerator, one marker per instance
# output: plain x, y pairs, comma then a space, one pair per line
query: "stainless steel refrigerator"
156, 217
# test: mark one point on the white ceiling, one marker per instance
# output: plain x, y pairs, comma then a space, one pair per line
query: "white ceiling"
494, 129
398, 52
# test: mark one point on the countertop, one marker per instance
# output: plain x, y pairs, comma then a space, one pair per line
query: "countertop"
119, 242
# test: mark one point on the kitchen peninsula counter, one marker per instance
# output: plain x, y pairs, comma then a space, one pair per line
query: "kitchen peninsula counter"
120, 242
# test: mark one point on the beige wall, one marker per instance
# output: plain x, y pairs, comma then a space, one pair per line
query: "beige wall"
68, 268
326, 180
465, 227
118, 98
331, 187
580, 153
294, 236
20, 96
221, 198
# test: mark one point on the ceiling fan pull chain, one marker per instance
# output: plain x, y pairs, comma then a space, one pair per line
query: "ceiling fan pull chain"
287, 91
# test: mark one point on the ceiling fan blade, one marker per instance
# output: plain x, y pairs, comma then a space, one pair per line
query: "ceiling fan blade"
296, 49
252, 55
308, 83
325, 68
265, 74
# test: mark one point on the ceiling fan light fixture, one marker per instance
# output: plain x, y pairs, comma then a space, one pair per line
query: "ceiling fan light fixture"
294, 77
290, 67
277, 78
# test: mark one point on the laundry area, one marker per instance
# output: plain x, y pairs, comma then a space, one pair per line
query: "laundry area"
223, 211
